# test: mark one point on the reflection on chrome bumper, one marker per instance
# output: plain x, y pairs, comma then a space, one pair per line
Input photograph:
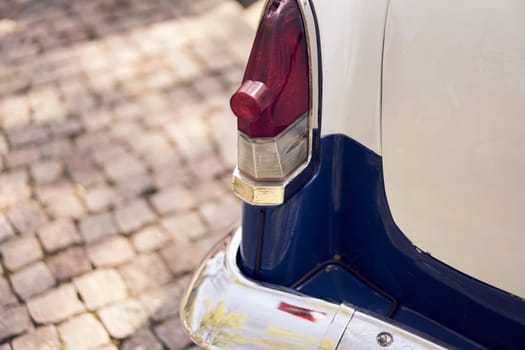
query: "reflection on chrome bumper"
224, 310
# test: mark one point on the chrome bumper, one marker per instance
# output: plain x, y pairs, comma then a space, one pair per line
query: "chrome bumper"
224, 310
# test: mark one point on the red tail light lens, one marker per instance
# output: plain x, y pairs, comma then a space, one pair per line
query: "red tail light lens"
275, 89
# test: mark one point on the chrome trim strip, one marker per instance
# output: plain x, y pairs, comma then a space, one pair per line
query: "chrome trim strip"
222, 309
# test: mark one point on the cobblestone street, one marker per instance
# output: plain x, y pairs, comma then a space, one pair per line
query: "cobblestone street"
117, 146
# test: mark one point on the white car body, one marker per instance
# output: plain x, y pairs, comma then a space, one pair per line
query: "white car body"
437, 88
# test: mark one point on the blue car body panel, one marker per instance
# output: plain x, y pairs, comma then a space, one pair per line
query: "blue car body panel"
336, 239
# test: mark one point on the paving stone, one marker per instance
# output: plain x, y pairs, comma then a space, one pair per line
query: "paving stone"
109, 153
42, 338
127, 110
209, 190
222, 214
6, 231
106, 347
186, 225
7, 298
58, 234
4, 147
208, 168
47, 171
149, 238
68, 128
83, 332
59, 148
164, 303
56, 305
142, 340
87, 143
185, 131
182, 256
134, 186
224, 132
26, 135
70, 263
32, 280
145, 272
123, 167
20, 251
173, 199
27, 217
172, 334
166, 177
21, 157
110, 252
71, 101
14, 188
96, 119
60, 200
163, 157
101, 198
149, 144
83, 171
100, 287
15, 320
124, 318
133, 216
14, 111
97, 226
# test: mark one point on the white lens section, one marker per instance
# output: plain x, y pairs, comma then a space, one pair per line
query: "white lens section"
274, 158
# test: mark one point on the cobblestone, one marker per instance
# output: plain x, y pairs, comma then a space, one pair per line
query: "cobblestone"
116, 149
21, 157
83, 332
100, 287
69, 263
58, 234
149, 238
182, 256
138, 276
46, 171
163, 303
186, 225
32, 280
133, 215
97, 226
101, 198
56, 305
110, 252
223, 213
60, 200
142, 340
172, 334
124, 318
26, 217
42, 338
14, 188
15, 320
6, 296
20, 251
6, 231
173, 199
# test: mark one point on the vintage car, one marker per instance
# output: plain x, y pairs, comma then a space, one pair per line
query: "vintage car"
381, 159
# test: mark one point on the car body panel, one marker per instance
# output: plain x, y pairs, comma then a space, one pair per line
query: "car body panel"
453, 133
334, 237
351, 40
342, 217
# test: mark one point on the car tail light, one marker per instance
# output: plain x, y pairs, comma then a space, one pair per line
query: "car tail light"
273, 102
